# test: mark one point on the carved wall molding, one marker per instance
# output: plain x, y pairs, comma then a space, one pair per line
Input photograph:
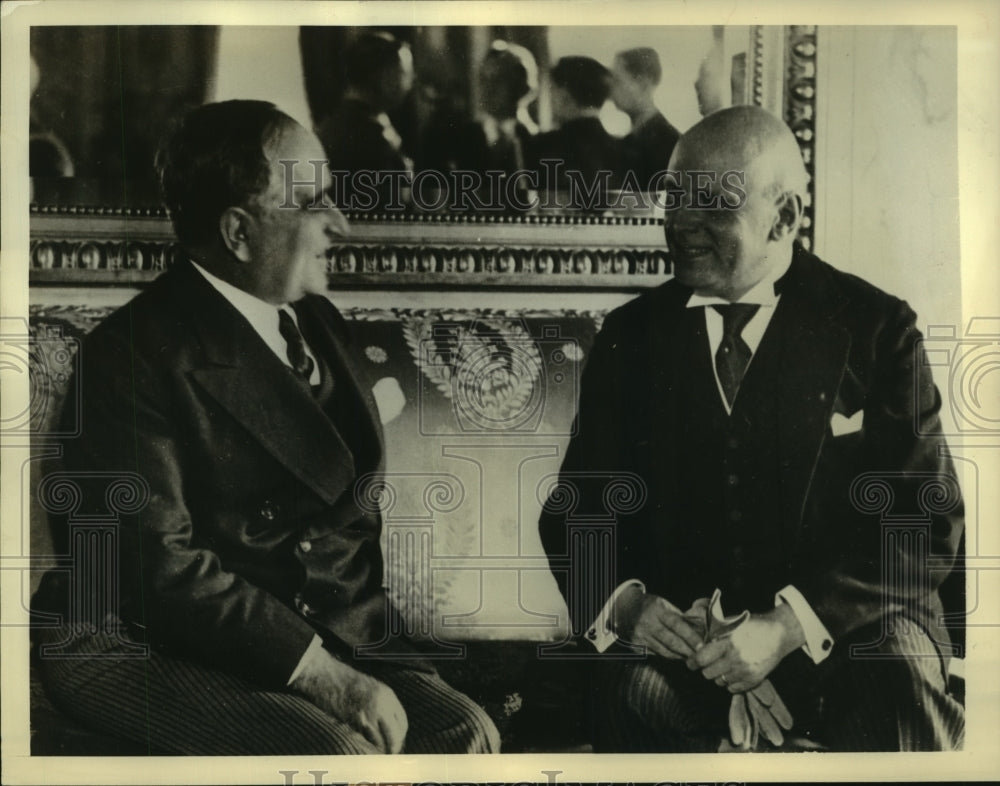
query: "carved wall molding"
115, 248
84, 317
552, 218
800, 110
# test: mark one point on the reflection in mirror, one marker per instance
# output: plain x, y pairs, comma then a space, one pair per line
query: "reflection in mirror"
474, 120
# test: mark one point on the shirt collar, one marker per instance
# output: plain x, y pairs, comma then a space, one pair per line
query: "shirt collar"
762, 293
257, 312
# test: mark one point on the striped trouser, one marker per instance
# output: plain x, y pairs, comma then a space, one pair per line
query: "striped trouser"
893, 697
174, 706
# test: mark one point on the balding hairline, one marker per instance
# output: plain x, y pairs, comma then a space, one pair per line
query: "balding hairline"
752, 140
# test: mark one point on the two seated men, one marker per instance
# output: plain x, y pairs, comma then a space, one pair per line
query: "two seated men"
229, 393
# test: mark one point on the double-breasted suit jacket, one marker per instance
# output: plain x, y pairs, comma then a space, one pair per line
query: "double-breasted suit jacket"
768, 495
256, 535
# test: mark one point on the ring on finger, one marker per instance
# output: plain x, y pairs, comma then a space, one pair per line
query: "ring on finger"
723, 678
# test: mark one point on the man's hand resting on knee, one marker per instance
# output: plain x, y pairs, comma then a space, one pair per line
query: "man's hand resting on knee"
365, 704
655, 623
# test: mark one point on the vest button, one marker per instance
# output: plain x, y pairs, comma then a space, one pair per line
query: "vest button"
735, 515
732, 443
732, 479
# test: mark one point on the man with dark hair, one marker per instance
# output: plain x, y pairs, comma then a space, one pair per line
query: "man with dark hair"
358, 135
590, 157
777, 424
498, 138
635, 75
228, 397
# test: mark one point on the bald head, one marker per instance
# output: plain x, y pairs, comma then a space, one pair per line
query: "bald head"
724, 246
745, 139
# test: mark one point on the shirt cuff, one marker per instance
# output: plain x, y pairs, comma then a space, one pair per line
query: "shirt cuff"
311, 653
819, 642
600, 633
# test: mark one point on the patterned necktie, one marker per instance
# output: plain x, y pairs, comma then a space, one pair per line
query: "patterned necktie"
302, 364
733, 354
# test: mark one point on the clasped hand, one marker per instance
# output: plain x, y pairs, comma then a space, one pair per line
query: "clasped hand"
744, 657
737, 653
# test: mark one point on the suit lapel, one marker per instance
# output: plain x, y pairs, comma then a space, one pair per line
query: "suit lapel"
245, 377
672, 331
812, 355
358, 399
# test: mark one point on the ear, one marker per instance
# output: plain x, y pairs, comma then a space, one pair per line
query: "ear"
788, 216
234, 226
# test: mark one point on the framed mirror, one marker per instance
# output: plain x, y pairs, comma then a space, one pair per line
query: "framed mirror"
104, 96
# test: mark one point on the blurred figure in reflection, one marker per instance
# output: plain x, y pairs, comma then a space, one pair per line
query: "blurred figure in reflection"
497, 138
635, 75
358, 135
590, 159
710, 86
47, 155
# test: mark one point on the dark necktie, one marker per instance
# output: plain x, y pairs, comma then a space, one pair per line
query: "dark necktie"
302, 364
733, 354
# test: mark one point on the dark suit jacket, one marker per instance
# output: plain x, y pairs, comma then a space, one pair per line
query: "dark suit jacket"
584, 147
243, 467
355, 142
648, 148
835, 344
461, 144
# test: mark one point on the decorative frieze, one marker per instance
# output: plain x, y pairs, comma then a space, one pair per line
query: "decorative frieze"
800, 109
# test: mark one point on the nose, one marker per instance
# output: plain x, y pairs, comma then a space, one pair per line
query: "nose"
336, 224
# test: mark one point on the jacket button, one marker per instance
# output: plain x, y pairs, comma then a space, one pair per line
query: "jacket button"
732, 479
735, 515
732, 443
306, 546
267, 511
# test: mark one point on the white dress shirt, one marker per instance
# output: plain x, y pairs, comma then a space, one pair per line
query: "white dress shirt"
263, 318
818, 640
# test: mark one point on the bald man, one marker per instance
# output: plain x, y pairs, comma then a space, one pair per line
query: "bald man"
763, 405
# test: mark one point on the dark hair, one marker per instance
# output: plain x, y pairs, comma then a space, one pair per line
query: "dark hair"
514, 65
368, 56
643, 61
586, 80
214, 159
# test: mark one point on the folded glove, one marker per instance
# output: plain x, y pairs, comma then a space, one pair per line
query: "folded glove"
758, 711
